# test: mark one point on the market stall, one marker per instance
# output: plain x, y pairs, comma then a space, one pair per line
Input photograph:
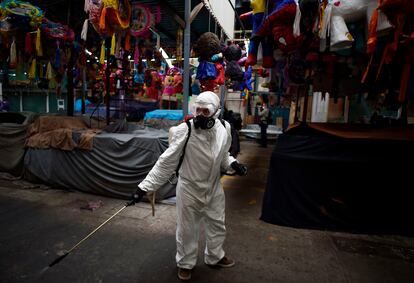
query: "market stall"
65, 152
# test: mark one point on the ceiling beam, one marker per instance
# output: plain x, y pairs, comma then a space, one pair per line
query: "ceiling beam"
173, 13
195, 11
165, 32
170, 10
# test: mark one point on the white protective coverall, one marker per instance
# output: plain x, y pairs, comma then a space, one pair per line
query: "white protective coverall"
200, 195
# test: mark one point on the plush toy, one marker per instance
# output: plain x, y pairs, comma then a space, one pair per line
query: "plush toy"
178, 83
256, 16
168, 85
152, 83
283, 24
210, 71
232, 54
335, 16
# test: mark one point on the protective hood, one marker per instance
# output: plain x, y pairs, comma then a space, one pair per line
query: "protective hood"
208, 99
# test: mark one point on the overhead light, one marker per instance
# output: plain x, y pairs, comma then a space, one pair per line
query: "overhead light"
169, 63
164, 54
88, 52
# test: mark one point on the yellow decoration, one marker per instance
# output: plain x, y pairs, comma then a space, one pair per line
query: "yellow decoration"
39, 50
113, 45
102, 57
32, 70
49, 71
111, 4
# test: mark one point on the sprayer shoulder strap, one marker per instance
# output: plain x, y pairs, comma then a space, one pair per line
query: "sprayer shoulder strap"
185, 145
186, 141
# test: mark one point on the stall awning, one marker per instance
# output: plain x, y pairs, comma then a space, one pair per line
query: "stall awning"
223, 13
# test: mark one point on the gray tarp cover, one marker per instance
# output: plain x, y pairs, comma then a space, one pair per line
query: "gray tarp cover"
114, 167
13, 129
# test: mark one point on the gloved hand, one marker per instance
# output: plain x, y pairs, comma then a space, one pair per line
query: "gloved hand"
240, 169
137, 196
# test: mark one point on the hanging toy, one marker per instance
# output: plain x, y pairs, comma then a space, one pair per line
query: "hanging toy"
208, 47
141, 21
337, 14
93, 7
21, 15
57, 31
115, 15
283, 24
256, 17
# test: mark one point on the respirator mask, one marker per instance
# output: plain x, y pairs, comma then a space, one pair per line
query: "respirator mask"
203, 122
204, 118
206, 109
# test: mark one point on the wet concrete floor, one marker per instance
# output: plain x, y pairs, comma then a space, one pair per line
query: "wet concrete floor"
38, 223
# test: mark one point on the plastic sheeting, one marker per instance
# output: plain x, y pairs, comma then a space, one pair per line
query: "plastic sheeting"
114, 166
13, 131
342, 178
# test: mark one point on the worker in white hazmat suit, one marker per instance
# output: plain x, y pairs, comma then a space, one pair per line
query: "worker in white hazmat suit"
200, 195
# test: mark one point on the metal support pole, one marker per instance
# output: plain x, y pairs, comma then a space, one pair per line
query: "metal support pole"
69, 75
107, 80
187, 12
69, 72
84, 89
223, 94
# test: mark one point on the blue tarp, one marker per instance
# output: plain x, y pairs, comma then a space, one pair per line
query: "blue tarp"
165, 114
